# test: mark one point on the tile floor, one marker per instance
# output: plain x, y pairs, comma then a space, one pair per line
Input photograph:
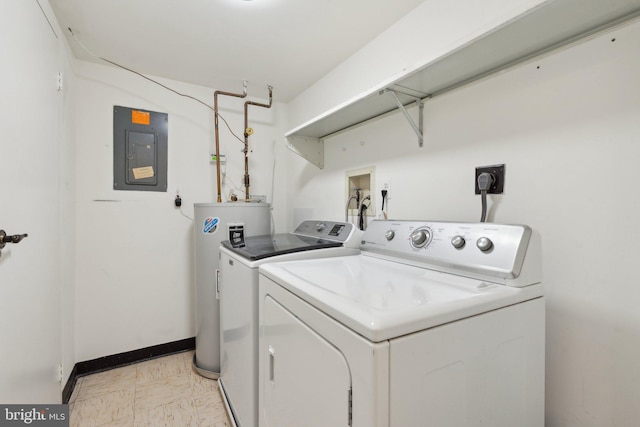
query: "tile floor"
159, 392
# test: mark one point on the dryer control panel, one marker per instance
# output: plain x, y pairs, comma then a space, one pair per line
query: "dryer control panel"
474, 249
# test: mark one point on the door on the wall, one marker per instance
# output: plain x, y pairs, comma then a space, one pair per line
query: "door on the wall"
30, 285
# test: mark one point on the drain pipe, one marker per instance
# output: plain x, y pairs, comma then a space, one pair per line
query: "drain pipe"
215, 110
248, 131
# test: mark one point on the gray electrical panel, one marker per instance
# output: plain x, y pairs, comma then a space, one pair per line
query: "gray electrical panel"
139, 149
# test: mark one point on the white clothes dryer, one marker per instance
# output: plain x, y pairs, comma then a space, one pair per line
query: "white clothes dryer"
238, 293
432, 324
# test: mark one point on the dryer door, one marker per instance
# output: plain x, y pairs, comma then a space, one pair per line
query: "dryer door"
306, 380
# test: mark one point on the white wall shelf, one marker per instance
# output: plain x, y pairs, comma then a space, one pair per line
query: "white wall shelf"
549, 26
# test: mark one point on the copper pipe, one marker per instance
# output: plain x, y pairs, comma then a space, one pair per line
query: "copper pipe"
246, 139
215, 110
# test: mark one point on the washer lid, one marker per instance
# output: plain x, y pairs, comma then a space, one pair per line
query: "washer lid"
259, 247
381, 299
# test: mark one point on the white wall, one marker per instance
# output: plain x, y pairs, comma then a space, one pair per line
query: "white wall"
37, 191
433, 29
135, 249
569, 134
66, 165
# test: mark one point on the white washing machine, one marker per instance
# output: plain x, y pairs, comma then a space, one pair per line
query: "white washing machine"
238, 293
432, 324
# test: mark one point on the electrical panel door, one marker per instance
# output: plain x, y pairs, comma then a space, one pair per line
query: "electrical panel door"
142, 158
139, 149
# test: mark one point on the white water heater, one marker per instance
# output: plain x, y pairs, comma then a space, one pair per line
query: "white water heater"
211, 226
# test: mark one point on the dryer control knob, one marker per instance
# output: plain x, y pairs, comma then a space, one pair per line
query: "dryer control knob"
484, 244
458, 242
390, 234
420, 238
320, 226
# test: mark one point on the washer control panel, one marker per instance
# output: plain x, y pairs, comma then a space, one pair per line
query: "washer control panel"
484, 244
488, 248
420, 237
458, 241
329, 230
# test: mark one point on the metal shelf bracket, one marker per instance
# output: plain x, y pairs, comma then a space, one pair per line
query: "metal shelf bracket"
419, 129
309, 148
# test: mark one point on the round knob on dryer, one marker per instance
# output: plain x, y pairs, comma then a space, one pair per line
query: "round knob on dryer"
320, 226
458, 242
484, 244
420, 238
389, 235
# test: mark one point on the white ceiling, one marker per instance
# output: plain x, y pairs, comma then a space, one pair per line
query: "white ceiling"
288, 44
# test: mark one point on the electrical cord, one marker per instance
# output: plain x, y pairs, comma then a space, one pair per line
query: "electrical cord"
357, 197
153, 81
346, 213
363, 208
185, 215
485, 180
273, 186
178, 204
384, 197
361, 213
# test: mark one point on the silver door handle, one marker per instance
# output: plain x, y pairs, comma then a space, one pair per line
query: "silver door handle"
5, 238
217, 283
272, 363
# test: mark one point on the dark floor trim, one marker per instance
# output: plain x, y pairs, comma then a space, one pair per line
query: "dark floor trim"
70, 385
122, 359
